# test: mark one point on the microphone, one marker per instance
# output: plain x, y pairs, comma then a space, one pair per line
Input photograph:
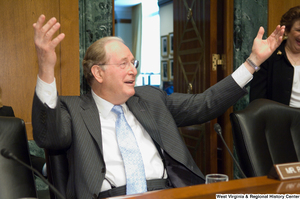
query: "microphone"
9, 155
218, 130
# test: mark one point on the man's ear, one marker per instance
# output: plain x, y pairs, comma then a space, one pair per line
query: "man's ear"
97, 72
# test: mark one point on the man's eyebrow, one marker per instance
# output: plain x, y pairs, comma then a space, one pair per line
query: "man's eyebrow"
126, 59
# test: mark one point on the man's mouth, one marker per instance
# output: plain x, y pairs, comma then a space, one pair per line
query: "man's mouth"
129, 82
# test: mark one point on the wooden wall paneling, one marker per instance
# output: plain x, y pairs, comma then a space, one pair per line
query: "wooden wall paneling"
195, 39
188, 67
227, 21
276, 10
211, 37
19, 66
69, 53
212, 21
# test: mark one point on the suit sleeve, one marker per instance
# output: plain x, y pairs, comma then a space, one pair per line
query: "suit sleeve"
189, 109
51, 127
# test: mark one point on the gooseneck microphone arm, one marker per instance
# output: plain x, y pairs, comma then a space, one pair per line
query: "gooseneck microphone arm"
9, 155
218, 130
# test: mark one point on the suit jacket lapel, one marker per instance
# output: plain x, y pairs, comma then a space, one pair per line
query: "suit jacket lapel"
142, 114
140, 110
90, 116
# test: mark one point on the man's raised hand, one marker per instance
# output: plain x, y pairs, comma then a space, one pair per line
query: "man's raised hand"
45, 46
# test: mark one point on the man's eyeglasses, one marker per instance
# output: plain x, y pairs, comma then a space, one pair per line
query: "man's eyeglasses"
123, 65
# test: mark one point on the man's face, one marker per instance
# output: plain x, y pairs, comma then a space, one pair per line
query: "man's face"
118, 83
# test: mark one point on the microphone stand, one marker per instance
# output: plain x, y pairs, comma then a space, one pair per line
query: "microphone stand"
9, 155
218, 130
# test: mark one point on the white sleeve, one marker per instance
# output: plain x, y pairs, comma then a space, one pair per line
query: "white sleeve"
47, 93
242, 76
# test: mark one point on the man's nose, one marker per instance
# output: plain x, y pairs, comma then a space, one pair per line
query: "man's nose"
132, 69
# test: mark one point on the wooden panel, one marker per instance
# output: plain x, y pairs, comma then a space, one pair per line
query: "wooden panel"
226, 161
208, 31
195, 39
70, 73
190, 48
19, 67
212, 48
276, 10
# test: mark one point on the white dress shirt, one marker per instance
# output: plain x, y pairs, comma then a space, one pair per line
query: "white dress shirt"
295, 95
115, 172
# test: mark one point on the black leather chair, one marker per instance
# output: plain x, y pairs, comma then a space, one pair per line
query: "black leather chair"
16, 181
266, 133
57, 171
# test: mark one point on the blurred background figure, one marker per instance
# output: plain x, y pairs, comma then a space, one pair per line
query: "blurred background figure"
279, 76
5, 110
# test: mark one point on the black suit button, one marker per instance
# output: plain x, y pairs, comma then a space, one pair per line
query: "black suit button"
103, 170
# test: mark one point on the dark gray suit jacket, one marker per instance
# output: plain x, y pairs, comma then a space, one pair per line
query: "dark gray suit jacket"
74, 125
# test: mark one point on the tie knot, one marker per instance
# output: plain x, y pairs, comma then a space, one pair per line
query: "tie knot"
117, 109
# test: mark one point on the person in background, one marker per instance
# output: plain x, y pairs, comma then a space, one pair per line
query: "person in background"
5, 110
88, 127
38, 163
279, 76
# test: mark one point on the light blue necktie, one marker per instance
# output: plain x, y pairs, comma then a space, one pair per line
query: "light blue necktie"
132, 158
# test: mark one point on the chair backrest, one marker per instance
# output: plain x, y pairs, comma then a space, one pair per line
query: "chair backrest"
57, 171
266, 133
16, 181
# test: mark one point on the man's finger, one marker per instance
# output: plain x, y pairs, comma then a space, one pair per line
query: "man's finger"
52, 31
39, 22
49, 25
57, 40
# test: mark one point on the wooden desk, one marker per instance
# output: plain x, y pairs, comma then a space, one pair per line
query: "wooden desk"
256, 185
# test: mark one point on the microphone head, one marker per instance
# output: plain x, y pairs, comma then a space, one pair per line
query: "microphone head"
6, 153
218, 129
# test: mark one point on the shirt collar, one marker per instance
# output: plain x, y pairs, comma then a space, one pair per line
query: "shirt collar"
104, 107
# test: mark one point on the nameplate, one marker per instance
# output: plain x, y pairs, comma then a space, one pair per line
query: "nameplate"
290, 186
285, 171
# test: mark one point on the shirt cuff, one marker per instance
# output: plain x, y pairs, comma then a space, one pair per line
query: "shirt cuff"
242, 76
47, 93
